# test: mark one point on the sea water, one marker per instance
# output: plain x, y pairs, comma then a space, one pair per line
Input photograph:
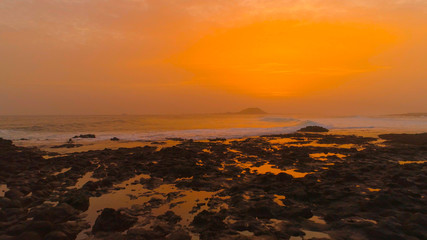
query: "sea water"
36, 130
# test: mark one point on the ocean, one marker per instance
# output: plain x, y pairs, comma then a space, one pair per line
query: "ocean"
39, 130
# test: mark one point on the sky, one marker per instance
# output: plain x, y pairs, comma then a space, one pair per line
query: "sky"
331, 57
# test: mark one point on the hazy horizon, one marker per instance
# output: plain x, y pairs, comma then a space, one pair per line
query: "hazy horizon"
73, 57
291, 114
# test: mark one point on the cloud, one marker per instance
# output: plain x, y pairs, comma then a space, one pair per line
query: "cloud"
100, 45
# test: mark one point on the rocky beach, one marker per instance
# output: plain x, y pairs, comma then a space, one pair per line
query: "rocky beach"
302, 185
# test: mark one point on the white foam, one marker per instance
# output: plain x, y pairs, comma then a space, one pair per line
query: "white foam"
134, 128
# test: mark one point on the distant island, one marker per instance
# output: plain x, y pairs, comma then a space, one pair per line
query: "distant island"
407, 115
252, 111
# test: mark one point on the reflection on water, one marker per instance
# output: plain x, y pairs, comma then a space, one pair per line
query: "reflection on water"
306, 142
93, 144
283, 141
278, 199
270, 168
187, 205
246, 233
411, 162
83, 180
3, 189
324, 156
130, 193
313, 234
276, 224
359, 220
374, 189
317, 219
266, 168
296, 174
62, 171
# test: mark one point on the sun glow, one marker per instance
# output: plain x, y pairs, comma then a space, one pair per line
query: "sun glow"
284, 58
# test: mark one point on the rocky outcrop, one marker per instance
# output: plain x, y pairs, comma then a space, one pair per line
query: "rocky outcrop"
111, 220
313, 129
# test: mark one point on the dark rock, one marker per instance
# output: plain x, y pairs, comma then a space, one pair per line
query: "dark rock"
260, 211
170, 217
85, 136
78, 199
163, 228
29, 236
41, 227
179, 235
415, 139
56, 235
17, 229
111, 220
5, 202
67, 145
209, 220
382, 234
61, 213
13, 194
143, 234
313, 129
114, 139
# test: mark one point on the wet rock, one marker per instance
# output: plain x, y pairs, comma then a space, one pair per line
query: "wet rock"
383, 234
415, 139
170, 217
111, 220
56, 235
337, 192
293, 231
17, 229
179, 235
14, 194
284, 177
209, 221
6, 203
41, 227
72, 228
260, 211
68, 145
143, 234
85, 136
313, 129
78, 199
163, 228
29, 236
58, 214
301, 212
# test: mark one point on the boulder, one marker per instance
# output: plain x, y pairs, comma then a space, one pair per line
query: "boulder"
170, 217
29, 236
85, 136
56, 235
78, 199
41, 227
13, 194
111, 220
179, 235
58, 214
313, 129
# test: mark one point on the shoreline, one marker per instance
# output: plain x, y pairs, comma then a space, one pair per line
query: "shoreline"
284, 186
105, 142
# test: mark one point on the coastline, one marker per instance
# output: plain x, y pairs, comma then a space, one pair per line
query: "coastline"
285, 186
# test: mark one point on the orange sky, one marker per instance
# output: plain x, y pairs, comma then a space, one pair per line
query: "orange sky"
197, 56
